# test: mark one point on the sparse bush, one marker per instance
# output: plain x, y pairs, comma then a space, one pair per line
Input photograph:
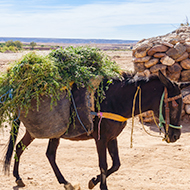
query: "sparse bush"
2, 44
10, 48
33, 44
18, 44
9, 43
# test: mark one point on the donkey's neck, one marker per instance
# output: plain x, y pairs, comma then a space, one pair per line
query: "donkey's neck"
120, 98
151, 93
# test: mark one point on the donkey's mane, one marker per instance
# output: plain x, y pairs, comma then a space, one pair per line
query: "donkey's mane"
131, 78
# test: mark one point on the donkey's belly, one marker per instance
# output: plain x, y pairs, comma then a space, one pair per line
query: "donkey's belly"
47, 122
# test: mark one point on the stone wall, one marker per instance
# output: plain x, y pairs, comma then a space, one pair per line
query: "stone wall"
169, 53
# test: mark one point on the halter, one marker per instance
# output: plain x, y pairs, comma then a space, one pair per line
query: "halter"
165, 99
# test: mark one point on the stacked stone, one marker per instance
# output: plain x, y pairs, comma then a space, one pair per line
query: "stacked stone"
169, 53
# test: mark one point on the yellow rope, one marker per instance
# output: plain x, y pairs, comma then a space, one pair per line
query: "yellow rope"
133, 115
157, 123
142, 118
140, 110
65, 87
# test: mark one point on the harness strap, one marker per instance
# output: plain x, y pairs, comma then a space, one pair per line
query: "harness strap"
107, 115
111, 116
173, 98
161, 118
167, 112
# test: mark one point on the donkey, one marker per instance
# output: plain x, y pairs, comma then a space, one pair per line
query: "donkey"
118, 100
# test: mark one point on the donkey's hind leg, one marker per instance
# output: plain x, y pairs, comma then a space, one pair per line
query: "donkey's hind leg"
51, 155
20, 147
113, 151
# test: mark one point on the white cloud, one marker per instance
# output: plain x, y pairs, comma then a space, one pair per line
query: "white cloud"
90, 20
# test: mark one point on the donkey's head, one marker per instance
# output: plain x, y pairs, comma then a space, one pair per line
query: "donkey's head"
172, 107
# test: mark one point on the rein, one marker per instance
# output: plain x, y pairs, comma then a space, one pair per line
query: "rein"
167, 112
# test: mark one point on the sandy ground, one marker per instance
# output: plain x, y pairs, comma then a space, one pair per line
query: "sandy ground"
150, 165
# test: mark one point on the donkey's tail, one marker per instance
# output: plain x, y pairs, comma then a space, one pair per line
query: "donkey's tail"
10, 148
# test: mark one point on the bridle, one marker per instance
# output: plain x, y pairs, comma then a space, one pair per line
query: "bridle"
165, 99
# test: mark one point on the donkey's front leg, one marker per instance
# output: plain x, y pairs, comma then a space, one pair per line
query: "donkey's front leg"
113, 151
101, 148
51, 155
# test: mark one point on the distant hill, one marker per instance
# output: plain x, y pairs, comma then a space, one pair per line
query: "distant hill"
69, 41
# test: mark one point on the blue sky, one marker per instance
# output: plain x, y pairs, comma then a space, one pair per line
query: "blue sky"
92, 19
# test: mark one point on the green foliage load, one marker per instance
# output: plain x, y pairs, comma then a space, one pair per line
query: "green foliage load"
83, 63
35, 76
29, 78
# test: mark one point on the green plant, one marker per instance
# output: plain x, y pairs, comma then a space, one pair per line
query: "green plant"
17, 44
29, 78
35, 76
2, 44
83, 63
10, 48
33, 44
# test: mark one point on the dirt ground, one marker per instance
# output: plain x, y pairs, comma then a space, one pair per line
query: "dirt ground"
150, 165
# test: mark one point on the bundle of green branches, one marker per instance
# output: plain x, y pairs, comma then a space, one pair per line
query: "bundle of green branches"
35, 76
80, 64
28, 79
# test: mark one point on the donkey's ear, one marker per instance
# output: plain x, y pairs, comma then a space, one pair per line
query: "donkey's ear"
183, 84
166, 81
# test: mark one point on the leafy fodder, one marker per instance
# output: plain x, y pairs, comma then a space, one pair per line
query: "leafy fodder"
35, 76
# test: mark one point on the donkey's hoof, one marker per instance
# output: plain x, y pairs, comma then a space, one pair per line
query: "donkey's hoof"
20, 183
91, 184
77, 187
70, 187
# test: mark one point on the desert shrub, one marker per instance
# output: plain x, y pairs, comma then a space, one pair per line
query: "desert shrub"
2, 44
10, 48
33, 44
17, 44
11, 45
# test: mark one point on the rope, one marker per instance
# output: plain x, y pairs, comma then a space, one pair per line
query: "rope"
160, 128
140, 110
142, 118
99, 115
72, 98
133, 115
9, 95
